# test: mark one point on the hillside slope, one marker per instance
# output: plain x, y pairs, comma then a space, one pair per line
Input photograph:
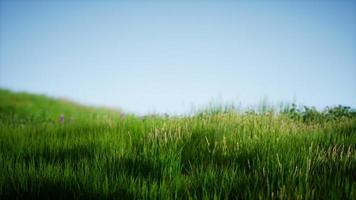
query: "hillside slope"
23, 107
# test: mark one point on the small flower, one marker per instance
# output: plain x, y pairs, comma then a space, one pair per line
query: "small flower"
122, 115
61, 119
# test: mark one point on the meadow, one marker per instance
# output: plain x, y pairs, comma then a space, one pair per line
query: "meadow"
99, 153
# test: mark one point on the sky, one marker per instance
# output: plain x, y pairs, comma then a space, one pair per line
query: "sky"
172, 56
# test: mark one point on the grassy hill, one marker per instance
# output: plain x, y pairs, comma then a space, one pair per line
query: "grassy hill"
57, 149
28, 108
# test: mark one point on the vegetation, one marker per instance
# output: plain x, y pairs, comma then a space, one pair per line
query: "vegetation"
56, 149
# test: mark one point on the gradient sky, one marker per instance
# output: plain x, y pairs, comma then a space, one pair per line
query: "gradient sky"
167, 56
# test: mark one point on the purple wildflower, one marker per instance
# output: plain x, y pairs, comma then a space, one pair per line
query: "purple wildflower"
61, 119
122, 115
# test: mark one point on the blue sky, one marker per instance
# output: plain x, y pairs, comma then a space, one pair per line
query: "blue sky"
146, 56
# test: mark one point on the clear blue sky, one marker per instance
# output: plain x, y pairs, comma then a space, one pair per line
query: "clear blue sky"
167, 56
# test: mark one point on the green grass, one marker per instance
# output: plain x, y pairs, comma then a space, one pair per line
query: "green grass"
97, 154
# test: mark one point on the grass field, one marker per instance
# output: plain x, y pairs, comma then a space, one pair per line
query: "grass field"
99, 153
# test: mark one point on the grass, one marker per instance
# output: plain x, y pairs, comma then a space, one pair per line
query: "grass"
98, 154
